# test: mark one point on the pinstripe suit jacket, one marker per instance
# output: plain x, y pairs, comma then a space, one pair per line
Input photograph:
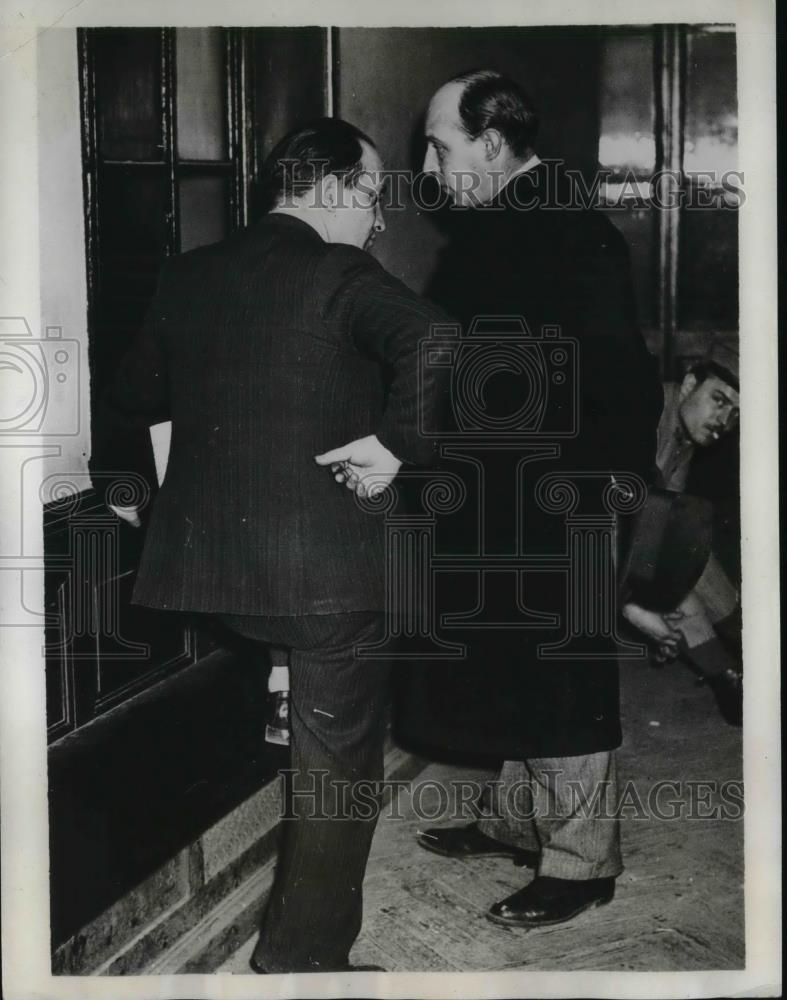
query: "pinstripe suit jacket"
267, 349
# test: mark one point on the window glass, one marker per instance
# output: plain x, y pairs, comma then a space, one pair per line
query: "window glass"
708, 273
128, 88
626, 141
711, 132
201, 105
203, 211
627, 149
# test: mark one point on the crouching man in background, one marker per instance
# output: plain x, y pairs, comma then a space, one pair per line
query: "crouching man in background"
704, 624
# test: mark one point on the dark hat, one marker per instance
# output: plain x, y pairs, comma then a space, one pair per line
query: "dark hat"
723, 358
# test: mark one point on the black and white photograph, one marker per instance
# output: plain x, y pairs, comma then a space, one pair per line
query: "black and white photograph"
389, 570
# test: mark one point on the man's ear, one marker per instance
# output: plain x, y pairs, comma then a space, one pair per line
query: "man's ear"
493, 143
687, 386
329, 192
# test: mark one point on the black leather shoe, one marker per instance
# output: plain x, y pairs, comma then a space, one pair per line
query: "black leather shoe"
262, 971
469, 842
547, 901
728, 691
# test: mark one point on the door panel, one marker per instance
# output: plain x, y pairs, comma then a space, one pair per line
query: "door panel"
173, 124
204, 214
129, 110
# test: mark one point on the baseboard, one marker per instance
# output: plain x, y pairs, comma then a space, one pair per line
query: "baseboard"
216, 890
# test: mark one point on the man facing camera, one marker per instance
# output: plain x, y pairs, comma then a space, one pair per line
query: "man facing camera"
269, 350
524, 248
704, 625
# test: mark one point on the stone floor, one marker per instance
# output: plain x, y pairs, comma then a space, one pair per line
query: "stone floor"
678, 904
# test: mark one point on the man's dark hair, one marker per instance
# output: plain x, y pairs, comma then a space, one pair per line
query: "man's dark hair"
306, 155
492, 100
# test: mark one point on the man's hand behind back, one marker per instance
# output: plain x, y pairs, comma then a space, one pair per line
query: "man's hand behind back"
365, 466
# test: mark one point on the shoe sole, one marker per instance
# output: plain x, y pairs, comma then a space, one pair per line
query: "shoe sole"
526, 925
472, 857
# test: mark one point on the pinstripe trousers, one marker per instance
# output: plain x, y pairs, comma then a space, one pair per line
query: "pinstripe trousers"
330, 802
563, 808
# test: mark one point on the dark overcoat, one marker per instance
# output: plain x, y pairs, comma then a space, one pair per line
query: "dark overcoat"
265, 350
535, 253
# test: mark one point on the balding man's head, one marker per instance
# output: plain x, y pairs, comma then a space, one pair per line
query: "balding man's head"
479, 127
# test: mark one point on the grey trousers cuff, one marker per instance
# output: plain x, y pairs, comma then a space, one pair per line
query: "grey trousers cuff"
560, 864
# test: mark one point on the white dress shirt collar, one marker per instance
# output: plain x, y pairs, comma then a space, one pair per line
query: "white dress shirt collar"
527, 165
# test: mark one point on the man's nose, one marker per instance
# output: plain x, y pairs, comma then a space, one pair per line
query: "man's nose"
379, 220
430, 161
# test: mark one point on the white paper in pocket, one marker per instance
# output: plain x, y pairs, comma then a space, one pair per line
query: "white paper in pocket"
160, 435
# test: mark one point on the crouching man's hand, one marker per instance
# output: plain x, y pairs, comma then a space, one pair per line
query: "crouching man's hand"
364, 466
661, 629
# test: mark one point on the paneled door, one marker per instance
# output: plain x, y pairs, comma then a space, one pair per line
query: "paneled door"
166, 168
175, 125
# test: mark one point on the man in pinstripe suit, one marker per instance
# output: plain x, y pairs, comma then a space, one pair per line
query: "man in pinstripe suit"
269, 350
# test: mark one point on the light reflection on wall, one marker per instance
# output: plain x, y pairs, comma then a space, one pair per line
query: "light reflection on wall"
630, 192
627, 148
626, 103
711, 125
623, 151
711, 154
